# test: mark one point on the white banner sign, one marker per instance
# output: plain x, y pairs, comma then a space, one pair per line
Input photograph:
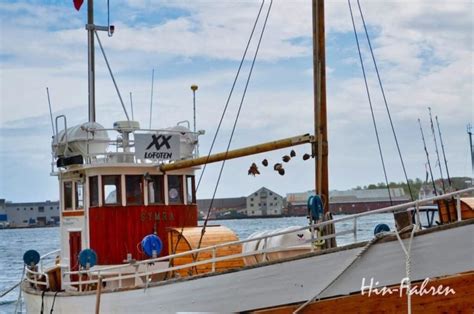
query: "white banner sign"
156, 146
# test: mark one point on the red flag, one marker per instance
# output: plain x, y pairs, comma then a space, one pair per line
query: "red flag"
78, 4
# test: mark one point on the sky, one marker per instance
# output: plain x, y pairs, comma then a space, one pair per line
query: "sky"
424, 50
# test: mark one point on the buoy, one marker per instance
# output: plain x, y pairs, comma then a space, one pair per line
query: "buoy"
381, 228
152, 245
31, 257
87, 258
315, 207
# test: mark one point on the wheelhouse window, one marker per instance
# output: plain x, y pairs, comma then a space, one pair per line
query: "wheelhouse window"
111, 190
67, 194
175, 189
134, 190
94, 191
155, 190
190, 190
79, 195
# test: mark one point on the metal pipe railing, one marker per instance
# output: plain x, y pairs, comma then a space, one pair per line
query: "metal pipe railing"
415, 205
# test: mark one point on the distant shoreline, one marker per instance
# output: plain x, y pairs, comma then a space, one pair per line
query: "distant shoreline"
28, 227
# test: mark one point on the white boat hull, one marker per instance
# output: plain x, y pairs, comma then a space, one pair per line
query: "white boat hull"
434, 254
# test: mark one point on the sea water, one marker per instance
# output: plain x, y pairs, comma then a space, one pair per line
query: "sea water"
14, 242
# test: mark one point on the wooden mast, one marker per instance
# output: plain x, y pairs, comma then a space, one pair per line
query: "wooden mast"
320, 146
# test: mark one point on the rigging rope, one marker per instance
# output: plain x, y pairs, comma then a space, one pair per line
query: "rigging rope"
407, 261
385, 101
356, 257
111, 74
230, 95
370, 101
235, 123
362, 252
223, 112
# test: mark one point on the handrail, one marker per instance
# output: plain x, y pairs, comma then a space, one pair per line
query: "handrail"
411, 206
315, 226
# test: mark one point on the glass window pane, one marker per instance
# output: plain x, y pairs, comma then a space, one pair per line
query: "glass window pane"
190, 190
155, 190
111, 188
175, 189
68, 195
79, 195
94, 191
134, 190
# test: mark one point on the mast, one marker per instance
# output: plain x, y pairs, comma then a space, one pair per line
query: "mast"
427, 158
436, 150
91, 58
444, 154
320, 147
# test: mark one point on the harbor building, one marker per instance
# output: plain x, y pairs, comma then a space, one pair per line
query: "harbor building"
222, 207
29, 214
261, 203
264, 202
3, 214
349, 201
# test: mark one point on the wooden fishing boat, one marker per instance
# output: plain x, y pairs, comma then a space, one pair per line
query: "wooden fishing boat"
130, 240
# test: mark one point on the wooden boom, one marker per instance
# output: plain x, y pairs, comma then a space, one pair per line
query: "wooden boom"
236, 153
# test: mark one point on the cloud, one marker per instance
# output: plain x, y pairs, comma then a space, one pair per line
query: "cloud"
423, 49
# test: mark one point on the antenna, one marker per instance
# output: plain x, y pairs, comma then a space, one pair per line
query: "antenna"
427, 157
194, 88
436, 149
50, 110
131, 106
444, 154
151, 100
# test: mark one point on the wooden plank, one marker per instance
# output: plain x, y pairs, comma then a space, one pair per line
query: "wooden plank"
189, 240
462, 301
116, 230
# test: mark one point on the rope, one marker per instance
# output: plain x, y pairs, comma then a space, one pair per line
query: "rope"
356, 257
385, 101
407, 261
180, 235
235, 123
42, 302
18, 301
54, 300
370, 102
230, 94
111, 75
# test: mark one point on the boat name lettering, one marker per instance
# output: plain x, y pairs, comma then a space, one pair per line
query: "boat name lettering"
156, 216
